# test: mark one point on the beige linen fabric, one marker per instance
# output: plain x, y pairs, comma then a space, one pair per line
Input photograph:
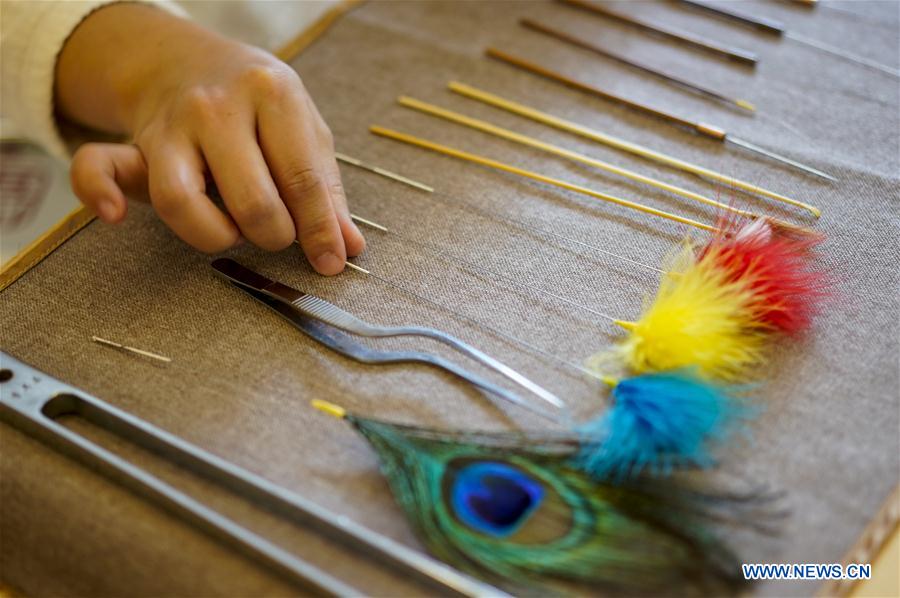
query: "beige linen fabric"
241, 378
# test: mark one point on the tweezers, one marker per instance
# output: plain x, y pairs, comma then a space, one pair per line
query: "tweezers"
32, 402
344, 344
323, 311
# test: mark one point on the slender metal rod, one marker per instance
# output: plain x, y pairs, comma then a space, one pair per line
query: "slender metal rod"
641, 66
764, 24
433, 250
121, 347
841, 53
385, 173
770, 154
772, 26
705, 129
728, 51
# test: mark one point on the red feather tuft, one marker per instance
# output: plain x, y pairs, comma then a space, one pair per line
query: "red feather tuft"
779, 269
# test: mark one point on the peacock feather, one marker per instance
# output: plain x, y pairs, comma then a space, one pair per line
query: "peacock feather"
520, 513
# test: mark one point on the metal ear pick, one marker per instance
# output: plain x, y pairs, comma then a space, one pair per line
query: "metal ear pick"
428, 247
707, 130
733, 53
773, 27
643, 67
378, 170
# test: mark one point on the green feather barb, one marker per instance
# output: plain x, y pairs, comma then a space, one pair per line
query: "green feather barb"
518, 512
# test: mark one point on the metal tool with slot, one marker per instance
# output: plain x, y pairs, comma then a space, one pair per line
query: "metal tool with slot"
32, 401
324, 311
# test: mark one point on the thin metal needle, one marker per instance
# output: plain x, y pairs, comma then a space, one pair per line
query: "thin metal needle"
770, 154
492, 330
385, 173
493, 216
678, 81
452, 201
109, 343
353, 266
778, 28
841, 53
521, 225
531, 287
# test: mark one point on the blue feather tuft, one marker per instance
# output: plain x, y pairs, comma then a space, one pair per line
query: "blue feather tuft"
658, 422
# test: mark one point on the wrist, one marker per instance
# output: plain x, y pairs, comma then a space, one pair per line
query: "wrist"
124, 58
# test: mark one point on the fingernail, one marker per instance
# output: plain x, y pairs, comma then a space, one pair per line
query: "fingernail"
328, 263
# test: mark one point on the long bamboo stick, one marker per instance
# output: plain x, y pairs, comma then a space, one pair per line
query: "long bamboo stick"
491, 129
600, 137
468, 157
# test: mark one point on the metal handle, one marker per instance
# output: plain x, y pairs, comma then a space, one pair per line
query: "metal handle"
30, 400
32, 408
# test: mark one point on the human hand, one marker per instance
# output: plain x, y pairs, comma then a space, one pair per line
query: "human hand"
196, 103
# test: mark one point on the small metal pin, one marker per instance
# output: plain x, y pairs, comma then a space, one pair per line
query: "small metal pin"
385, 173
122, 347
353, 266
369, 223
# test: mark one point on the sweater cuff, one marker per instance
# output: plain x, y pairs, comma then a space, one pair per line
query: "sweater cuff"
38, 68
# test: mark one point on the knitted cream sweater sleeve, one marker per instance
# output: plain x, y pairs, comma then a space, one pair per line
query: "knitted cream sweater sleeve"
32, 34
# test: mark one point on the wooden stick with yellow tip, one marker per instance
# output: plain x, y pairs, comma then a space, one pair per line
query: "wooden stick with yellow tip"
491, 129
600, 137
449, 151
329, 408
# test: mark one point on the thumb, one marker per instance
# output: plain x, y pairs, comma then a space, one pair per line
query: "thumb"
103, 174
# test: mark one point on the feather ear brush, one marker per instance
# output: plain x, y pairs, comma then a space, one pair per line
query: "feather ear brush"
515, 510
779, 268
660, 422
702, 317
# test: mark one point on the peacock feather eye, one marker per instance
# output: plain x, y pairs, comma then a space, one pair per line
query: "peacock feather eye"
516, 511
494, 498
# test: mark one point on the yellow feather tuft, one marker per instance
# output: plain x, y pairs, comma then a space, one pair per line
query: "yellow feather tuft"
698, 319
